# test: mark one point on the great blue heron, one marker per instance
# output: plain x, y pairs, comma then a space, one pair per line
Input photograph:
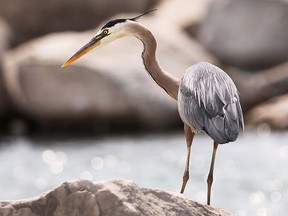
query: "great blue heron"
208, 100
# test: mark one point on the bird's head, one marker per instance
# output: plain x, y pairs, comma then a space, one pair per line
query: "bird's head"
111, 31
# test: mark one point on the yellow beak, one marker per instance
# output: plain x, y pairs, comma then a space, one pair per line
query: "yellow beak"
93, 43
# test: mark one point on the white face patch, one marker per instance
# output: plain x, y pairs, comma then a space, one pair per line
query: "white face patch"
119, 30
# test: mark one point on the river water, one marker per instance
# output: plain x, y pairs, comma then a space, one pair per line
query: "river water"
251, 174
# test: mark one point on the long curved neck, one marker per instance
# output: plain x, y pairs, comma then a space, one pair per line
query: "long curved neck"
165, 80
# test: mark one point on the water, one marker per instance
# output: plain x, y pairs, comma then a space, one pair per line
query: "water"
250, 174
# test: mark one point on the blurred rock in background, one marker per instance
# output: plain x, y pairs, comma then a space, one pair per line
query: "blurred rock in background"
246, 34
29, 19
109, 88
5, 34
273, 113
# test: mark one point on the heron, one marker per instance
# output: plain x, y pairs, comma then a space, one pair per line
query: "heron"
207, 98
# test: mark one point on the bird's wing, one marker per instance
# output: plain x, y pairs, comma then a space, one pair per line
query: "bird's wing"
208, 101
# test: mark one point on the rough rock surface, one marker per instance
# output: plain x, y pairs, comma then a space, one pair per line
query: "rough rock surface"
110, 83
246, 34
113, 198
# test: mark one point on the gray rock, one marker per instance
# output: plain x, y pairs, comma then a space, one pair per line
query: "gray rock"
109, 84
112, 198
5, 34
182, 13
31, 18
270, 114
245, 33
257, 88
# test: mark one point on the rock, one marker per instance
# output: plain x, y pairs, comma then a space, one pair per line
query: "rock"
108, 85
31, 18
257, 88
112, 198
272, 113
242, 34
182, 13
263, 96
5, 34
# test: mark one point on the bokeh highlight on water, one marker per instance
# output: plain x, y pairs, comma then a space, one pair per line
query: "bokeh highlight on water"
250, 174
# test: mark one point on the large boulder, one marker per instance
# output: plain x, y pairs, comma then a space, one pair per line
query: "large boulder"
113, 198
245, 33
109, 84
31, 18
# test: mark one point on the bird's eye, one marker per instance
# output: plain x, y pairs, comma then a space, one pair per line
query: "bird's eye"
105, 31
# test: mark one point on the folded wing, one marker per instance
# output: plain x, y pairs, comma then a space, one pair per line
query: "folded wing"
208, 101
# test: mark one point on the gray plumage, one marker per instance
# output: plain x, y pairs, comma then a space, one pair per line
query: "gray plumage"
208, 101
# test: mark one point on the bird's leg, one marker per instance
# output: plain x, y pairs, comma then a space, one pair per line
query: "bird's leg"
210, 175
189, 138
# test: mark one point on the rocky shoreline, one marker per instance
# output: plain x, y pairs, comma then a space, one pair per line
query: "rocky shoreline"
111, 198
